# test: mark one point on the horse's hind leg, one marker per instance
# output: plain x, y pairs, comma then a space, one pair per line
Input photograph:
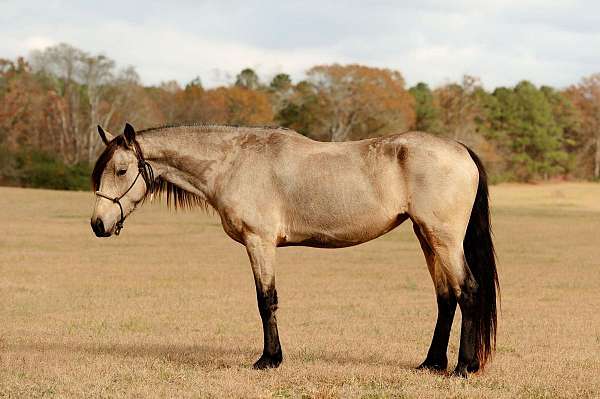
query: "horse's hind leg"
262, 254
447, 245
437, 358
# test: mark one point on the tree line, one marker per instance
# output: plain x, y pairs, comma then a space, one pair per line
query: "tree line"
51, 102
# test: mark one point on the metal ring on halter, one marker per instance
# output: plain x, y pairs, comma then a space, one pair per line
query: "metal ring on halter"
145, 170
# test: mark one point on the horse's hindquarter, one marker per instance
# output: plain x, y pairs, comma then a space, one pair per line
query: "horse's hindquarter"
338, 194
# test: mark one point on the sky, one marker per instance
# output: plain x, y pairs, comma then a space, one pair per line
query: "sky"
553, 42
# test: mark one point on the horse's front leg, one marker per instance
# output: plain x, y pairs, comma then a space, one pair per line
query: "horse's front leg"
262, 257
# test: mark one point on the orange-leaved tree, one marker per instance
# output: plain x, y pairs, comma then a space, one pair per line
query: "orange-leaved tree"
355, 101
236, 105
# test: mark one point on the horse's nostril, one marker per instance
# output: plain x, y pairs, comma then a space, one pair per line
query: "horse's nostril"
98, 228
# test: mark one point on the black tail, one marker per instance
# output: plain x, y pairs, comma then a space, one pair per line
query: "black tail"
481, 258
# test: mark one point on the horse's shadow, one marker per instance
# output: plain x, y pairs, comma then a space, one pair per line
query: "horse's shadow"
203, 355
345, 359
200, 355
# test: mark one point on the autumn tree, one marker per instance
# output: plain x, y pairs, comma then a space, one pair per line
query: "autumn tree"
458, 105
85, 90
357, 101
236, 105
27, 155
585, 96
167, 99
23, 102
190, 102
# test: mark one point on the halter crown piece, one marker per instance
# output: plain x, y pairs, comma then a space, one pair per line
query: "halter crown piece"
144, 170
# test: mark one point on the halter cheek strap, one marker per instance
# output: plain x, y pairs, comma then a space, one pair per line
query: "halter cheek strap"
144, 170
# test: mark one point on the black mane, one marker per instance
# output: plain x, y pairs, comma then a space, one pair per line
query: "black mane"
208, 126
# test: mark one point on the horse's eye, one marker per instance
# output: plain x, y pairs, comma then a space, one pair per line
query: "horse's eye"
121, 172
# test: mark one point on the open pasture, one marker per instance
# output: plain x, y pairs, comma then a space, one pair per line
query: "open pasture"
168, 309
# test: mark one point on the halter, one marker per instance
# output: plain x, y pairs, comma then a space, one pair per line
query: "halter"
144, 170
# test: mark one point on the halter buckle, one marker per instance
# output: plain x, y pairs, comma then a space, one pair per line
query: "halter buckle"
119, 226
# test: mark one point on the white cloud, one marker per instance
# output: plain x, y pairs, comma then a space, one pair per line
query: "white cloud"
37, 43
434, 41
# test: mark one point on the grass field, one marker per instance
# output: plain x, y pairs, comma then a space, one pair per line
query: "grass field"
168, 308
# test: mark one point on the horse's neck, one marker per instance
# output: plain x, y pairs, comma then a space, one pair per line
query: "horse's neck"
190, 162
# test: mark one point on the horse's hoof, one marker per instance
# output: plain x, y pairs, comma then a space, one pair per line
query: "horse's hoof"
463, 370
432, 365
267, 362
460, 372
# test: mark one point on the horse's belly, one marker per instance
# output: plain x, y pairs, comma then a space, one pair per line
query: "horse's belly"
340, 232
339, 200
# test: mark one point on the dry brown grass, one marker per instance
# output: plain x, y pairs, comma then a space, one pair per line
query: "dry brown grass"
168, 308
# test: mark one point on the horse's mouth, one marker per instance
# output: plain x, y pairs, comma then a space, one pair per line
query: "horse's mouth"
99, 230
101, 235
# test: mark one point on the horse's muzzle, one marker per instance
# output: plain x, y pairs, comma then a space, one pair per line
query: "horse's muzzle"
98, 227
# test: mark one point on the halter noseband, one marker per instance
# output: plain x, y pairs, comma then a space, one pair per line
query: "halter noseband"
144, 170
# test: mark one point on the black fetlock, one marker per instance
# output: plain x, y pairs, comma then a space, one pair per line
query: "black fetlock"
437, 359
267, 306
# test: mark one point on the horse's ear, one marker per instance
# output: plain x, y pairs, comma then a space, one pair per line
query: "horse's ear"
105, 136
129, 134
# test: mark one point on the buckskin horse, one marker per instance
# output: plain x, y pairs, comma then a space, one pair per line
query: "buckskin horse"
273, 187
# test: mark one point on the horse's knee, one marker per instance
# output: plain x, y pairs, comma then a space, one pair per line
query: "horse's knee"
456, 276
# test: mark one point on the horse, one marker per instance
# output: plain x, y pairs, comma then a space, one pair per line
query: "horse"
273, 187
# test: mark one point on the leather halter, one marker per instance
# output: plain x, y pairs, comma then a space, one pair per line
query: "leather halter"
144, 170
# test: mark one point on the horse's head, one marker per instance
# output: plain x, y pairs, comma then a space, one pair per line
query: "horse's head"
120, 179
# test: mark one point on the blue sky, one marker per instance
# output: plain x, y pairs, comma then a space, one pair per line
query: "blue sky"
552, 42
